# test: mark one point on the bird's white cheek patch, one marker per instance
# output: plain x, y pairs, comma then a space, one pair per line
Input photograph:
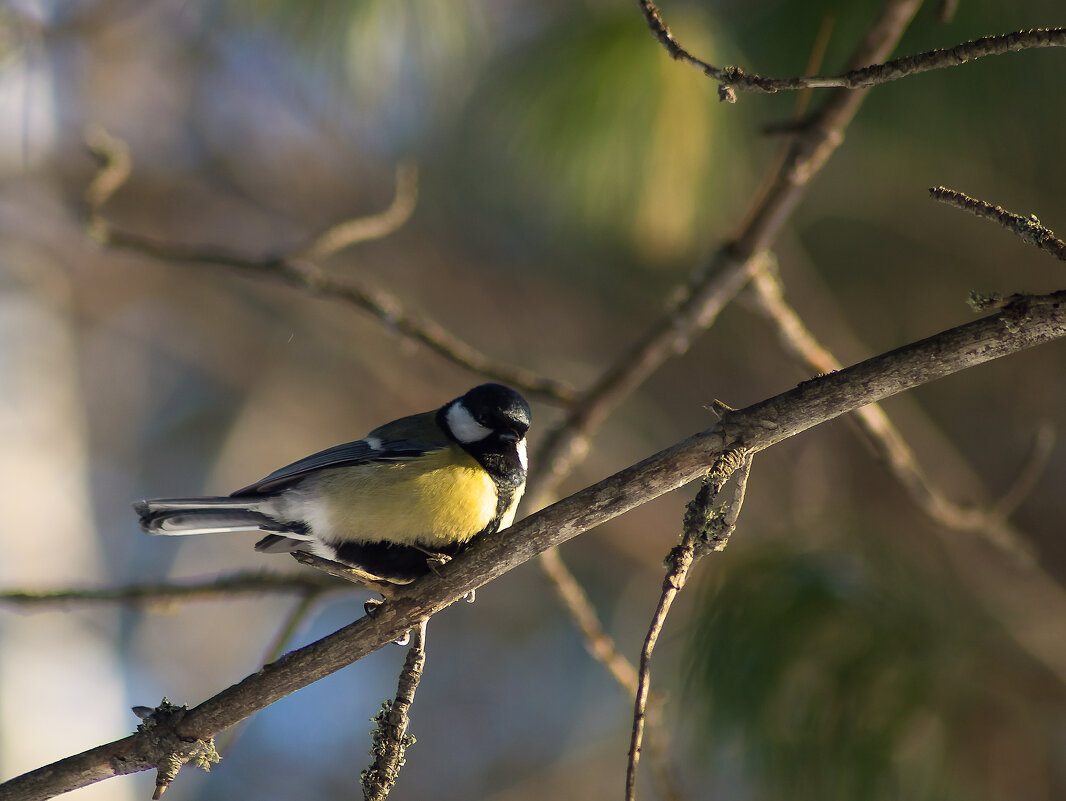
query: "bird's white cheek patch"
463, 425
520, 449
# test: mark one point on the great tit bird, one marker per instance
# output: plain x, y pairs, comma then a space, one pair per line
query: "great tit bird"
411, 493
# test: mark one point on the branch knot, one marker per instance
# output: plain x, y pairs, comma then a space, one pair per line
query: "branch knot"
167, 749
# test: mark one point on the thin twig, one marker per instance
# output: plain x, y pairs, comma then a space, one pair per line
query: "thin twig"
1032, 469
663, 772
289, 627
365, 229
296, 617
886, 439
716, 538
210, 589
390, 739
601, 646
734, 78
814, 62
303, 274
1029, 229
598, 642
706, 529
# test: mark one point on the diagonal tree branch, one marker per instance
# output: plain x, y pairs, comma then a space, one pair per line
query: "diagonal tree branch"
1023, 323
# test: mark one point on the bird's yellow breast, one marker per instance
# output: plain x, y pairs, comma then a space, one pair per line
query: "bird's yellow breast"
441, 498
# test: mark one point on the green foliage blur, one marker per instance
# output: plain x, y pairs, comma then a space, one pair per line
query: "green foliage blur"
856, 675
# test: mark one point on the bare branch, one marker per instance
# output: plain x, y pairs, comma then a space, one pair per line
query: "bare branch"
390, 738
1029, 229
1018, 491
365, 229
1024, 322
601, 646
302, 274
289, 626
814, 62
706, 529
209, 589
598, 642
735, 78
299, 613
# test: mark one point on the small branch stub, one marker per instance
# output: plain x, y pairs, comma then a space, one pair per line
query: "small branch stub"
390, 739
174, 751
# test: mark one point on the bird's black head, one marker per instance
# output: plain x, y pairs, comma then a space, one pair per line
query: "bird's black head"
499, 409
490, 422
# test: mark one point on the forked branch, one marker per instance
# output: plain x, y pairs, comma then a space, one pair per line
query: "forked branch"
300, 271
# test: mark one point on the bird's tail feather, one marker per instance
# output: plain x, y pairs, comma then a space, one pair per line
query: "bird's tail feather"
185, 516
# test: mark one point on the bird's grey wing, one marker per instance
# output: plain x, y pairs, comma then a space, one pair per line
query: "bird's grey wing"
363, 451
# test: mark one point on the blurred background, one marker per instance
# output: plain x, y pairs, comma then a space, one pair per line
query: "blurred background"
571, 176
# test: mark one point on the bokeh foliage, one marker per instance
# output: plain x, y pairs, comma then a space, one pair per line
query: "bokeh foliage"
853, 674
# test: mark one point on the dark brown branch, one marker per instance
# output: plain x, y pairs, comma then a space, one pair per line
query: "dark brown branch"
301, 273
1029, 229
390, 738
735, 78
1024, 322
